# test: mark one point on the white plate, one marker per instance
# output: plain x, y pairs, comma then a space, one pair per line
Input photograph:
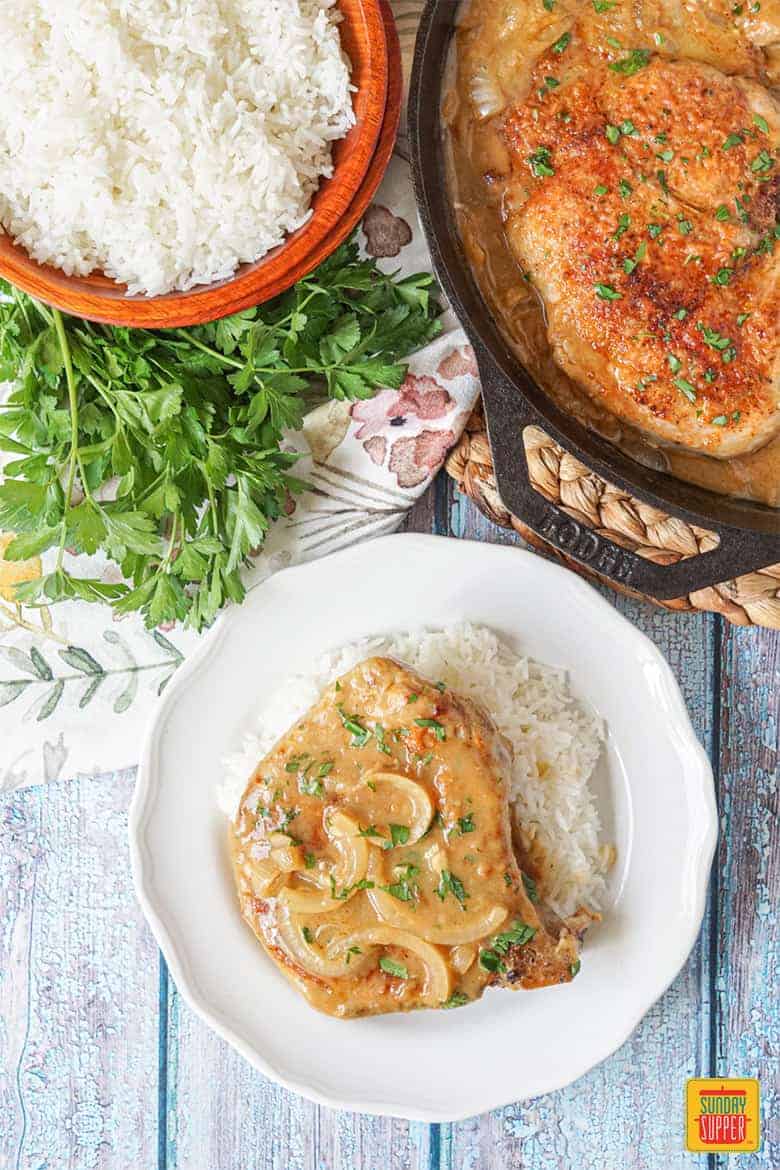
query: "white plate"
655, 794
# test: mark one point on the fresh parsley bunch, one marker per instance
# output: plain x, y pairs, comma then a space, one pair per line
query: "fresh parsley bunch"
161, 448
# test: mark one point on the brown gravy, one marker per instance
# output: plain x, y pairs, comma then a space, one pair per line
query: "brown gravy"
477, 156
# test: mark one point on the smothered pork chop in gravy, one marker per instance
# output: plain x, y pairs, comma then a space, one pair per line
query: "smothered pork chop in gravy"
615, 169
373, 853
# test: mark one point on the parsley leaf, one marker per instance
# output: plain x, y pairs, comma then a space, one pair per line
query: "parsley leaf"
392, 968
636, 60
186, 426
434, 725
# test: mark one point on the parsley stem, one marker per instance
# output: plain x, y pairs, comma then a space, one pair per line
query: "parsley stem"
59, 329
201, 345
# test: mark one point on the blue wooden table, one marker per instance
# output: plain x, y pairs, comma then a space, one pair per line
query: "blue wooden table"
103, 1066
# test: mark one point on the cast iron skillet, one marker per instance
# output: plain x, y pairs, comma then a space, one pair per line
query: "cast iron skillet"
749, 533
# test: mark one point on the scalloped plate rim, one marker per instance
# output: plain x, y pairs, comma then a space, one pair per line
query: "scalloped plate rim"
186, 980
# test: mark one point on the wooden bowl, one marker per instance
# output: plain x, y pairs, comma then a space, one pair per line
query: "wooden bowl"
367, 34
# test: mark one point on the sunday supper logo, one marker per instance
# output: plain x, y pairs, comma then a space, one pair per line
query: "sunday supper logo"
723, 1116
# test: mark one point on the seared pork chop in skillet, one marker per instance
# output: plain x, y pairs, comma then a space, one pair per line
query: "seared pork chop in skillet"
643, 206
373, 854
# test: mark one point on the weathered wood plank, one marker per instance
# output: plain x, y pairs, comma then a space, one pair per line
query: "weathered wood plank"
222, 1113
78, 984
748, 866
628, 1112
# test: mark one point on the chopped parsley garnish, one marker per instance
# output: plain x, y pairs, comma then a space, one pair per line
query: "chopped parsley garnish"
630, 264
681, 314
456, 1000
636, 60
686, 388
762, 123
289, 817
353, 951
722, 213
466, 824
675, 365
562, 43
654, 230
390, 967
600, 189
309, 860
379, 733
624, 224
341, 895
491, 961
310, 786
613, 134
731, 141
548, 5
575, 968
530, 888
405, 887
762, 162
369, 831
440, 686
603, 5
624, 189
412, 698
539, 162
307, 934
723, 276
714, 339
549, 83
449, 883
399, 834
360, 734
719, 421
661, 176
295, 763
742, 318
434, 725
507, 878
424, 760
517, 936
666, 155
628, 128
684, 226
607, 293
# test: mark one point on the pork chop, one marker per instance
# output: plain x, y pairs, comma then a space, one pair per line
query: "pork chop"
373, 857
642, 204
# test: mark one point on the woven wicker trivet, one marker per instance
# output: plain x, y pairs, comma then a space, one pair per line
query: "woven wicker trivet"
750, 600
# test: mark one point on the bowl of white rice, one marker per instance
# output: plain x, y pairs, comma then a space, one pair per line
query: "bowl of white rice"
166, 167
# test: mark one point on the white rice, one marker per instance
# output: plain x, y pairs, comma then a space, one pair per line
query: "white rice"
165, 142
557, 743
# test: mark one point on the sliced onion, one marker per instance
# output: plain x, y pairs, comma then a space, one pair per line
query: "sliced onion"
264, 878
350, 868
288, 858
469, 927
462, 957
437, 975
485, 93
417, 797
313, 958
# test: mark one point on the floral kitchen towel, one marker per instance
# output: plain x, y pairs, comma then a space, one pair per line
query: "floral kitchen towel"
77, 688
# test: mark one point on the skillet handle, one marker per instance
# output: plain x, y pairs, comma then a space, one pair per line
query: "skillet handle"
508, 413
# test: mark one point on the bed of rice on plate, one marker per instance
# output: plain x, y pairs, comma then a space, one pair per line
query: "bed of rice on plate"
165, 144
557, 744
